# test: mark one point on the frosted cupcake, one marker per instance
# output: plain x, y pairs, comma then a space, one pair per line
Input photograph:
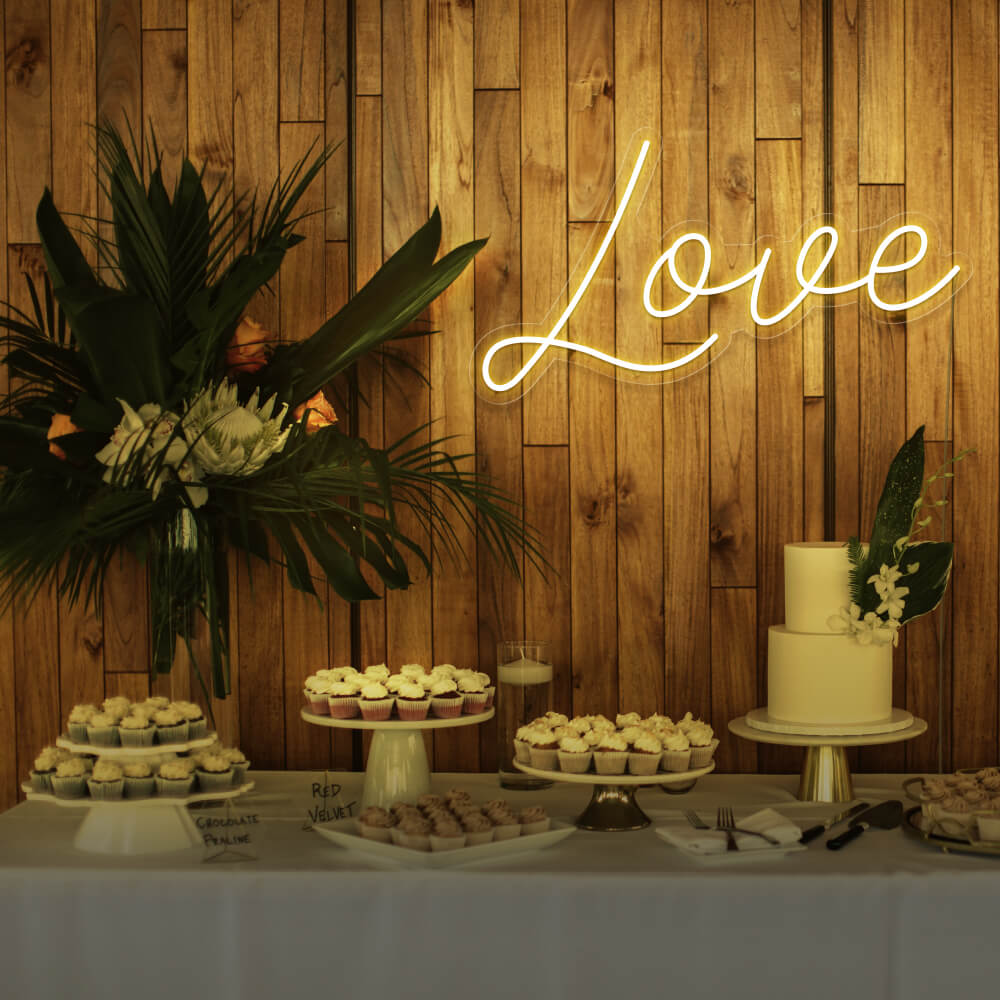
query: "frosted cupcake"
412, 702
522, 745
70, 779
316, 692
136, 730
478, 829
553, 719
78, 719
343, 699
644, 757
676, 754
412, 670
375, 702
394, 682
106, 782
157, 702
214, 773
117, 707
238, 762
197, 723
376, 824
415, 832
489, 687
627, 719
45, 767
447, 834
506, 826
139, 781
376, 672
543, 748
601, 724
174, 779
444, 670
574, 755
703, 743
446, 699
611, 754
171, 726
473, 694
102, 730
534, 819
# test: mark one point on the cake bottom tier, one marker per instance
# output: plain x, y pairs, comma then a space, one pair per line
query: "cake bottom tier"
816, 679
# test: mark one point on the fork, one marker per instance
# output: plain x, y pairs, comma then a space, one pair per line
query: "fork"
695, 820
726, 820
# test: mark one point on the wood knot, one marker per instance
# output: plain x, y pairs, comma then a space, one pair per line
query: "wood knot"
596, 510
23, 60
737, 180
719, 536
178, 59
93, 636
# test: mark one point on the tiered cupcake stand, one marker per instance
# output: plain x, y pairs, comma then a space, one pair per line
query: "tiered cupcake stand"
826, 776
612, 805
137, 826
397, 768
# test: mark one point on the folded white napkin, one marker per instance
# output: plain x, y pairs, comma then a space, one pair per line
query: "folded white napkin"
714, 841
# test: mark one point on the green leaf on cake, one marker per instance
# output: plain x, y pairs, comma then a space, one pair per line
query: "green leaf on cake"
928, 584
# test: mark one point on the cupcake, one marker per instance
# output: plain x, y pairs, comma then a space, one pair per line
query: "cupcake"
473, 694
534, 819
601, 723
506, 826
627, 719
139, 781
375, 701
343, 699
412, 702
415, 832
78, 719
215, 773
102, 730
447, 670
106, 782
454, 796
429, 800
394, 682
174, 779
239, 764
522, 745
553, 719
136, 730
316, 692
117, 707
478, 828
197, 724
703, 743
446, 699
489, 687
376, 672
171, 726
543, 748
412, 670
580, 725
644, 757
676, 754
574, 755
45, 766
447, 834
70, 779
611, 754
376, 824
156, 702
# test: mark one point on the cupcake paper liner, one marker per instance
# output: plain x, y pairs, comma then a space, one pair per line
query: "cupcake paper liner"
69, 788
240, 772
574, 763
105, 736
41, 781
522, 751
376, 711
610, 761
318, 704
383, 834
416, 841
507, 832
197, 728
106, 791
139, 788
176, 788
538, 826
702, 756
643, 763
475, 839
544, 759
446, 708
439, 843
215, 781
413, 710
138, 737
675, 760
473, 703
491, 693
78, 732
172, 734
342, 706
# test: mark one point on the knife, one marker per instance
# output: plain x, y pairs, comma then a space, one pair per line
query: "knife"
814, 831
886, 816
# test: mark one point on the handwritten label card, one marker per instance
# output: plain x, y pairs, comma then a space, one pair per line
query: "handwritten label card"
328, 804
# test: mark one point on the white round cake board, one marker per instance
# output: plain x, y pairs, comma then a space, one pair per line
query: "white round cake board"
900, 719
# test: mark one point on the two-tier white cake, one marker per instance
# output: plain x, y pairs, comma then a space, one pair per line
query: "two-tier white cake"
817, 677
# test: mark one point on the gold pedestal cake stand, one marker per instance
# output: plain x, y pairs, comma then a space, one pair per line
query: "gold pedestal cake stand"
825, 776
612, 806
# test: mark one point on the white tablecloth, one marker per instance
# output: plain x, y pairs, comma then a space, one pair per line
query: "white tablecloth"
598, 915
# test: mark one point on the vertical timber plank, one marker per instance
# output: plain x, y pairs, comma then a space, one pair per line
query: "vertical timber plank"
164, 14
976, 486
813, 446
368, 47
211, 29
881, 90
497, 44
164, 96
337, 95
813, 183
498, 304
778, 49
734, 687
301, 45
638, 408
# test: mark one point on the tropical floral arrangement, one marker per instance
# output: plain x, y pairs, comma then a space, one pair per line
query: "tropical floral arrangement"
149, 412
898, 576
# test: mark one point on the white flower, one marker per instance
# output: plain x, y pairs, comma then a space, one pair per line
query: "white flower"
845, 620
893, 602
229, 438
146, 442
912, 567
885, 579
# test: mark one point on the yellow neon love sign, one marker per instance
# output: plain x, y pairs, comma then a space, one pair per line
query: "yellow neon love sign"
808, 285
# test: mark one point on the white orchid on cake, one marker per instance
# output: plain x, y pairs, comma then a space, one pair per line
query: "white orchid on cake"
898, 577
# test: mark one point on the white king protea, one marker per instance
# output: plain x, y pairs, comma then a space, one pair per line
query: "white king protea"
230, 438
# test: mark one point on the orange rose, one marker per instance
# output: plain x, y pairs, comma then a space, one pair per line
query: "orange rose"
250, 348
60, 425
320, 413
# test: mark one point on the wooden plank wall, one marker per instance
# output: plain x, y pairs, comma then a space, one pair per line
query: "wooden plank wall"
665, 507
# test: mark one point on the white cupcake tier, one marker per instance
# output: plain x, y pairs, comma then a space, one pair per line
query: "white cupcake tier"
397, 768
168, 750
153, 825
612, 806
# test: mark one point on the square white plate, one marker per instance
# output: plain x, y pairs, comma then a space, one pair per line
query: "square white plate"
345, 833
729, 857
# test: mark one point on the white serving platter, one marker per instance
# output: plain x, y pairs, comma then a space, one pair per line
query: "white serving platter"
344, 832
119, 752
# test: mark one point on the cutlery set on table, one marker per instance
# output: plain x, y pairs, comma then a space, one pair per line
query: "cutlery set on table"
767, 833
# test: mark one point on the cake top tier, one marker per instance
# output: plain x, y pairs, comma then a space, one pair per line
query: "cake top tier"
816, 584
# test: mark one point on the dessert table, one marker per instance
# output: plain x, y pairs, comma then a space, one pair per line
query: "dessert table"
289, 914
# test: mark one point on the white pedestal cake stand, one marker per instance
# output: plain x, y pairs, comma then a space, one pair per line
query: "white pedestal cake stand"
397, 768
825, 775
137, 826
612, 805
